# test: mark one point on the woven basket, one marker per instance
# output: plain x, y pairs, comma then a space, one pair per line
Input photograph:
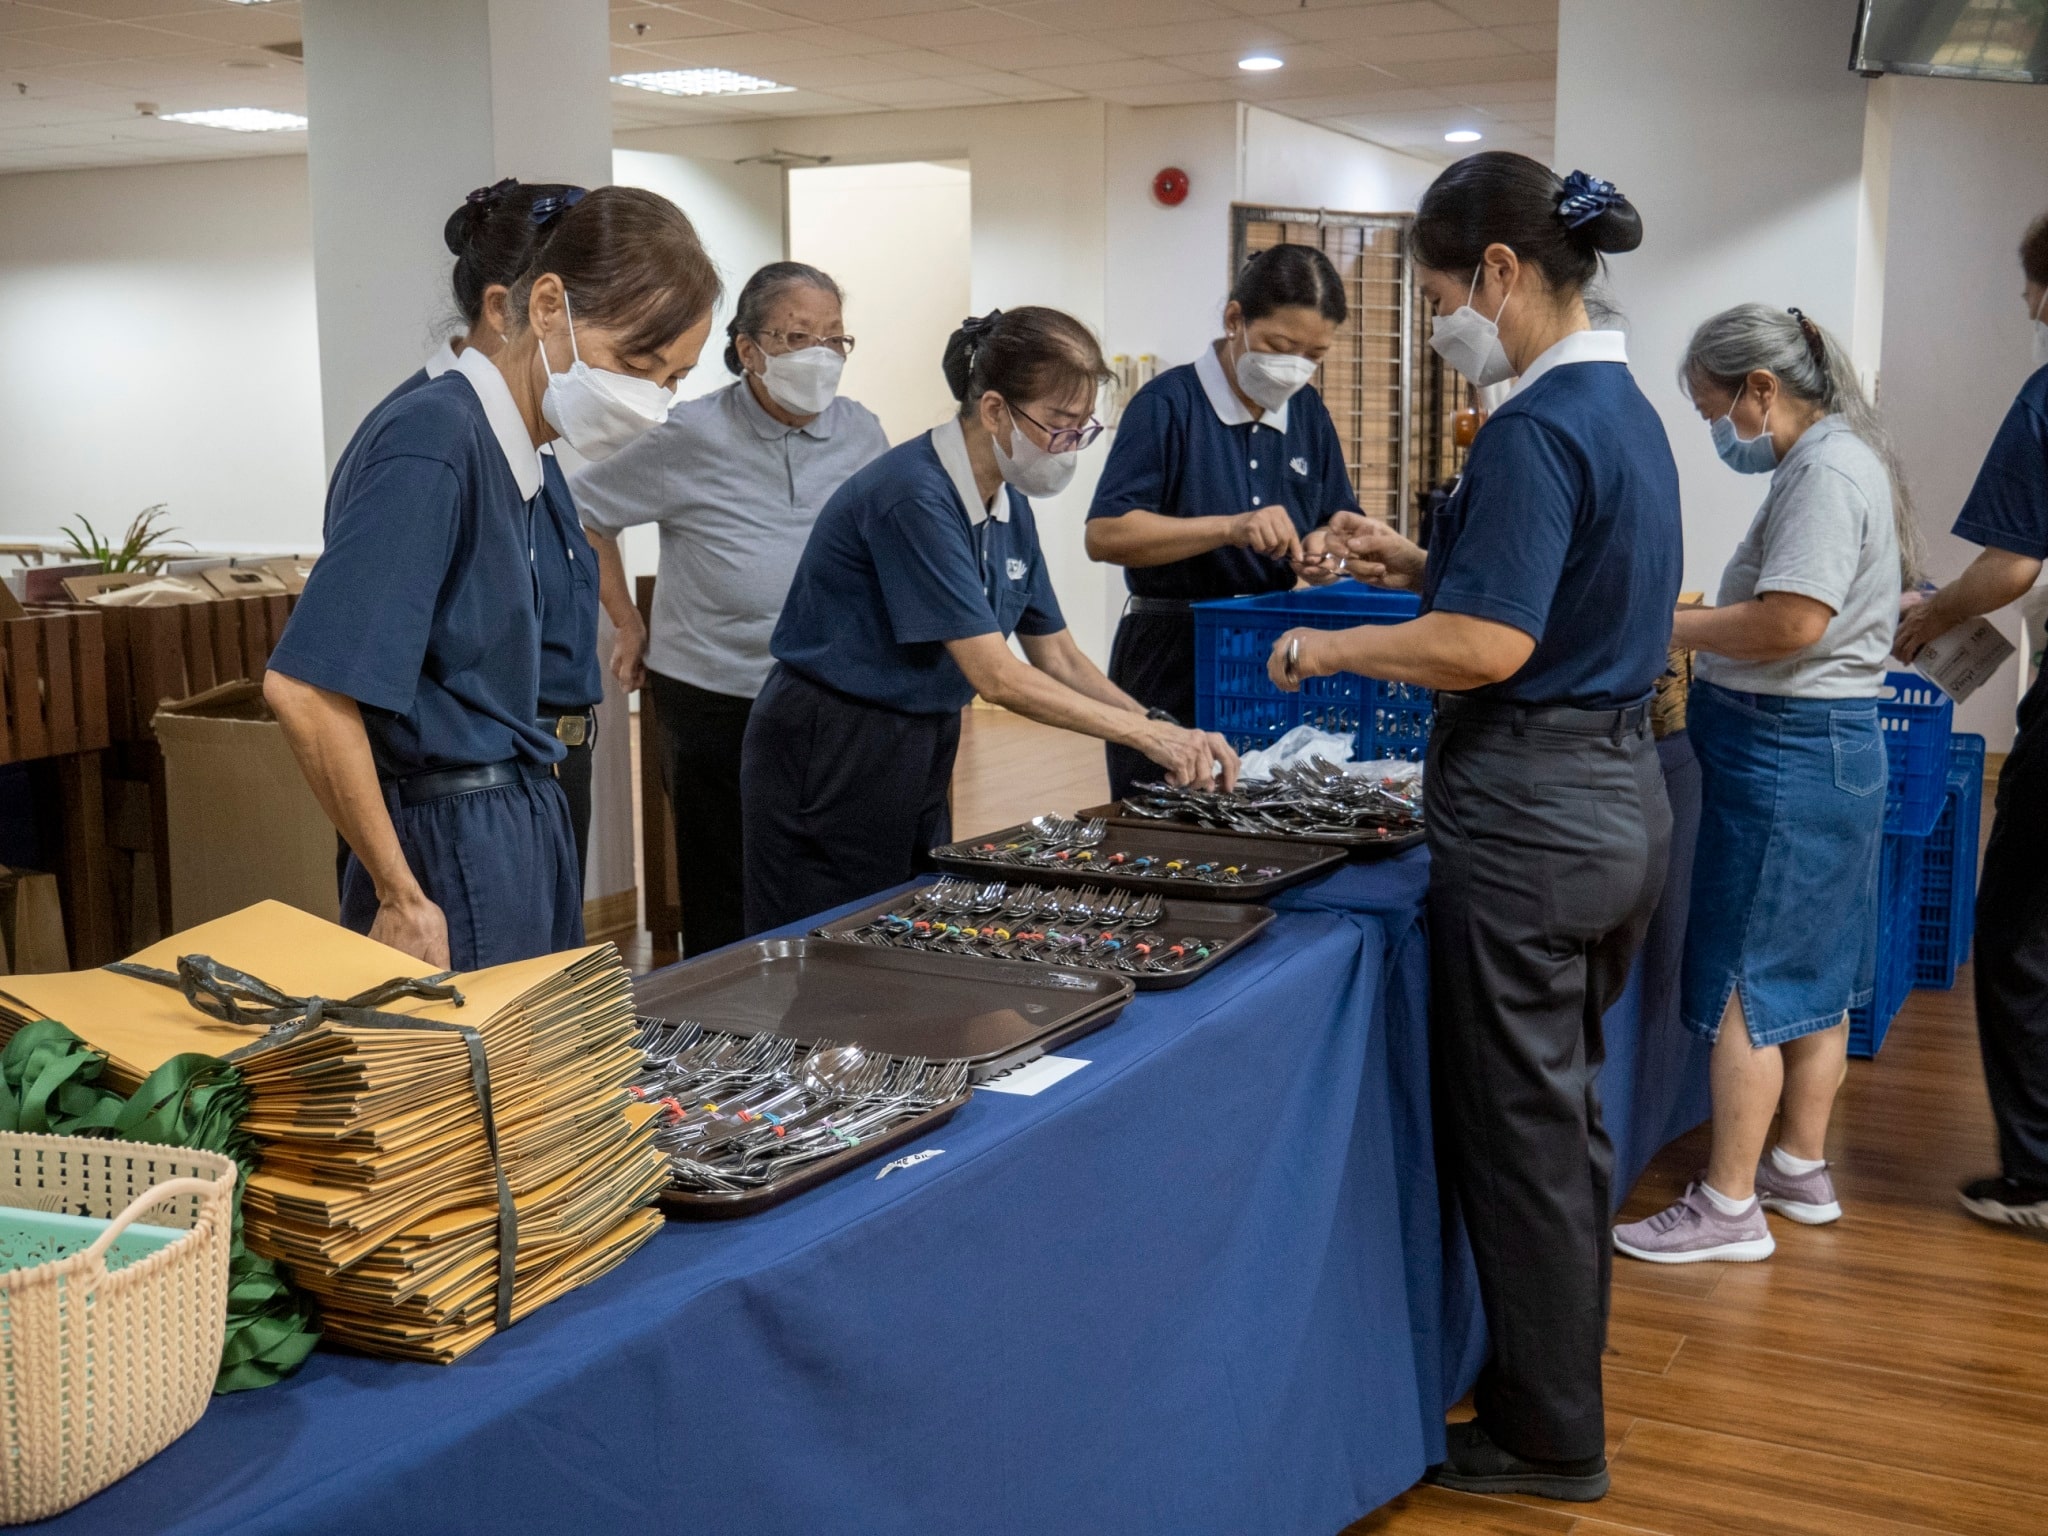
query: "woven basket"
100, 1369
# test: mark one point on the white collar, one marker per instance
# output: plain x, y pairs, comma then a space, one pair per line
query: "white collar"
442, 360
506, 423
1223, 399
950, 444
1579, 347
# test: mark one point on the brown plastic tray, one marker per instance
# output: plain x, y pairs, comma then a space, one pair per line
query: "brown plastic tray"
689, 1202
1363, 844
993, 1013
1231, 924
1296, 861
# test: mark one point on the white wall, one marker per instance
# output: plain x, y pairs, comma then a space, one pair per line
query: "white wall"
1967, 174
157, 329
1037, 231
1737, 131
1290, 164
897, 237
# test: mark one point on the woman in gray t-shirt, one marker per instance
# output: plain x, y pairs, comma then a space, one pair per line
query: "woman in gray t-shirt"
1781, 940
734, 480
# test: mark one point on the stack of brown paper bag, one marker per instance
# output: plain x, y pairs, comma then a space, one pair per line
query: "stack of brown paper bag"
380, 1189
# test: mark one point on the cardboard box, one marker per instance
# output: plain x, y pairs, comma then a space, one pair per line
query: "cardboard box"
244, 826
32, 922
83, 589
292, 571
243, 581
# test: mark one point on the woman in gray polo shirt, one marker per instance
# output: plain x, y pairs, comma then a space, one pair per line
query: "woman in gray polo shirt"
734, 479
1781, 939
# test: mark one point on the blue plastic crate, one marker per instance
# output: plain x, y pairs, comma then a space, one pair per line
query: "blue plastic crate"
1948, 879
1233, 695
1915, 716
1898, 916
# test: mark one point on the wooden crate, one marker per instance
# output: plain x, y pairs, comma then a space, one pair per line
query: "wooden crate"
154, 654
53, 675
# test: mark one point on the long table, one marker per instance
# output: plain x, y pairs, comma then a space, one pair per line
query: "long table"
1200, 1285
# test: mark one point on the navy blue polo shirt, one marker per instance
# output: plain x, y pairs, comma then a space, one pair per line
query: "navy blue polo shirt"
896, 566
423, 606
2008, 505
566, 568
1187, 447
1565, 525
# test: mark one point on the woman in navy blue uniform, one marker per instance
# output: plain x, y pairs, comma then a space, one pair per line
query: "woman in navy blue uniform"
2006, 515
491, 237
408, 680
916, 574
1547, 596
1220, 480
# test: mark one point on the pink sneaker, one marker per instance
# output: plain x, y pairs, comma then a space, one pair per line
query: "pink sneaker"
1807, 1198
1695, 1230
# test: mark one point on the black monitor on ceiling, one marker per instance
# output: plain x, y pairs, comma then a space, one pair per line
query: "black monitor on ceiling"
1956, 39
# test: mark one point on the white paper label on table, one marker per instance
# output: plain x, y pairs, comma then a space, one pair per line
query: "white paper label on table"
1034, 1077
1958, 662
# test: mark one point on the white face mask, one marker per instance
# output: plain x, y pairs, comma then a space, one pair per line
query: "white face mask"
1030, 468
597, 410
802, 383
2041, 334
1270, 379
1470, 342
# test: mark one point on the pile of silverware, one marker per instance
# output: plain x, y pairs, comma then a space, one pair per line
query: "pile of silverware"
1056, 841
743, 1112
1310, 800
1089, 926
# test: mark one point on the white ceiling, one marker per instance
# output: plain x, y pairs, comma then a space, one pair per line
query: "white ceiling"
1398, 72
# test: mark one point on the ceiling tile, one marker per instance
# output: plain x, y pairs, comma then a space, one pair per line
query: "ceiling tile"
838, 39
1188, 94
946, 28
739, 13
252, 26
830, 73
113, 40
1352, 103
1095, 77
21, 18
123, 10
1473, 43
1506, 13
1236, 34
1097, 15
1033, 53
1392, 20
644, 24
21, 50
753, 53
1015, 87
1537, 39
845, 13
1484, 93
1446, 72
915, 93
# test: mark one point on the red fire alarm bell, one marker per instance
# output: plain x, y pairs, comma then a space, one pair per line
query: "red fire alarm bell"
1170, 186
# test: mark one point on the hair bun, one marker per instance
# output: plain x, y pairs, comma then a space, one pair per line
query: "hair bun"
1600, 213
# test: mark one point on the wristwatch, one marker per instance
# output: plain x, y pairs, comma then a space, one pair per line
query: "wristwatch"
1165, 717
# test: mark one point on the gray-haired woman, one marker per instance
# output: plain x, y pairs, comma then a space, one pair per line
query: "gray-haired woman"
1780, 943
734, 479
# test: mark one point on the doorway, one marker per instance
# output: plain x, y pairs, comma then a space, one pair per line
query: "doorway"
896, 239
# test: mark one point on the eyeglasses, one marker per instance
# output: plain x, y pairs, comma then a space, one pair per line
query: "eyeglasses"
798, 341
1062, 439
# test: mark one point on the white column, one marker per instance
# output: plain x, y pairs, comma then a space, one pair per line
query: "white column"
413, 103
1739, 132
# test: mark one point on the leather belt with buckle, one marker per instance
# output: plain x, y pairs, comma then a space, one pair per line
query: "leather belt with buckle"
569, 730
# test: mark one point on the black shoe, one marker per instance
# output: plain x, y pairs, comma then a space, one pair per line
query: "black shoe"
2008, 1203
1474, 1464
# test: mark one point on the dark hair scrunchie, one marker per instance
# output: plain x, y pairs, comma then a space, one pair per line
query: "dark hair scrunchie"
1816, 345
1584, 198
547, 209
974, 327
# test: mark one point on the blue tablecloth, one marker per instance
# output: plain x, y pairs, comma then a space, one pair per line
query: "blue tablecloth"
1198, 1286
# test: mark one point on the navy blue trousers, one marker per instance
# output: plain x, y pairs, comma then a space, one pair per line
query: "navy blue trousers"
500, 863
839, 798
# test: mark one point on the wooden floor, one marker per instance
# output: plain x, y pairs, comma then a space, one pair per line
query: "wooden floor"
1885, 1376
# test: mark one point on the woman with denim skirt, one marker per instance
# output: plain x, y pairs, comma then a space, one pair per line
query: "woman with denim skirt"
1783, 714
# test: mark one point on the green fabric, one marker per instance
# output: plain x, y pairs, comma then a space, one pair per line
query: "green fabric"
49, 1083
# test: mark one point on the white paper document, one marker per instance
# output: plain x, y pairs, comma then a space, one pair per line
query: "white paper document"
1034, 1077
1958, 662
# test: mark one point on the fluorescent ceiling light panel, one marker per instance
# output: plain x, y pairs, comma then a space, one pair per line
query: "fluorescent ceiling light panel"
1462, 136
700, 82
1258, 63
239, 119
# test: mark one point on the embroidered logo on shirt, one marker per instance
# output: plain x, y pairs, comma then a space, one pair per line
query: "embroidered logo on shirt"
1016, 569
1299, 466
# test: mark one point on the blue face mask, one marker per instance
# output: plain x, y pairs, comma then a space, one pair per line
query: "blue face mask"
1745, 455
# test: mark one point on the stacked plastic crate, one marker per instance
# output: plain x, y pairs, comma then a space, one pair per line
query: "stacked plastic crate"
1948, 870
1916, 716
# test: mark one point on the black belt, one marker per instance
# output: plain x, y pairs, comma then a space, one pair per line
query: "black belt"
1615, 723
1168, 607
444, 783
572, 728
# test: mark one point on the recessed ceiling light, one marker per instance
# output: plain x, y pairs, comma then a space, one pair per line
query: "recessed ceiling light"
700, 82
1462, 136
1258, 63
239, 119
